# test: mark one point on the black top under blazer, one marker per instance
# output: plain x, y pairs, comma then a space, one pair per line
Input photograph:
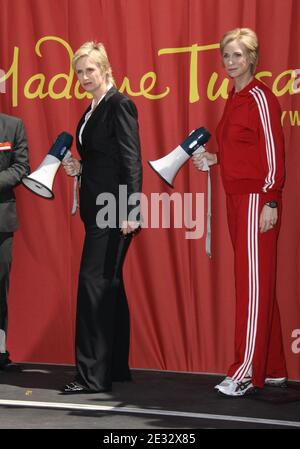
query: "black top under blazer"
110, 152
14, 165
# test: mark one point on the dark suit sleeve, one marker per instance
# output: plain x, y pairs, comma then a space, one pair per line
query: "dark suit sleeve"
128, 141
19, 165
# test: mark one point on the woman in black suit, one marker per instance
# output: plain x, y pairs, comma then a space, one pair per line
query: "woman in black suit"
108, 143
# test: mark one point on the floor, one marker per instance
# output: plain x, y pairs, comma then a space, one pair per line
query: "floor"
30, 398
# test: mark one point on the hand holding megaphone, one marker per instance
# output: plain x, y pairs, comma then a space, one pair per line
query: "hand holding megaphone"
198, 154
71, 165
203, 160
73, 168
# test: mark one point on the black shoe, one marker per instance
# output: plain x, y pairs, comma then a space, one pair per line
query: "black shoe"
76, 388
5, 361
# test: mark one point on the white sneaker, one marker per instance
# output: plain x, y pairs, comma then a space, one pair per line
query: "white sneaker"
276, 381
235, 388
225, 382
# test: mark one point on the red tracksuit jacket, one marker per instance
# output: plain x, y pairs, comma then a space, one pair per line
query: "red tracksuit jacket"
251, 143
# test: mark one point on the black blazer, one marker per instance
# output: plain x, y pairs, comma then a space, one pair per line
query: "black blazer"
110, 152
14, 166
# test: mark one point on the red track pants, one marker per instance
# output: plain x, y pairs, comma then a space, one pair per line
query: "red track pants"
258, 339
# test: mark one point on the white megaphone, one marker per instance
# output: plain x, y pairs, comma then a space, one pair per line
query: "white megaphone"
41, 180
167, 167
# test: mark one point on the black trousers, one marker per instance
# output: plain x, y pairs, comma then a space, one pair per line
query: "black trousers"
102, 320
6, 239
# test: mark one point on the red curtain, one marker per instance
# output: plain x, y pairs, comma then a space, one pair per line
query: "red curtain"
164, 55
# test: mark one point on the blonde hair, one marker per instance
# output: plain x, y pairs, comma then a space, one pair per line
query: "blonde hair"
96, 51
248, 38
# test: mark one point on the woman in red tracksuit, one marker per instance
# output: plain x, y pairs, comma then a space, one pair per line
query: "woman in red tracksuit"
251, 157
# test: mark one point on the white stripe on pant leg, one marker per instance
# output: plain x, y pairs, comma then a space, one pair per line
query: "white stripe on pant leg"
253, 287
256, 285
247, 361
250, 292
256, 272
252, 282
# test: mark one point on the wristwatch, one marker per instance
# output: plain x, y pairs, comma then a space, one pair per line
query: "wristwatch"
272, 204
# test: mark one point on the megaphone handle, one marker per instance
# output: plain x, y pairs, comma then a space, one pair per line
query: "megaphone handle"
200, 150
67, 155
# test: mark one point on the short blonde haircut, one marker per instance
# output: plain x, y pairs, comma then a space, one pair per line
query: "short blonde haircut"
96, 51
248, 38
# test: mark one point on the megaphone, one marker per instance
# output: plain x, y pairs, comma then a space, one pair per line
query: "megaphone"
41, 180
168, 166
